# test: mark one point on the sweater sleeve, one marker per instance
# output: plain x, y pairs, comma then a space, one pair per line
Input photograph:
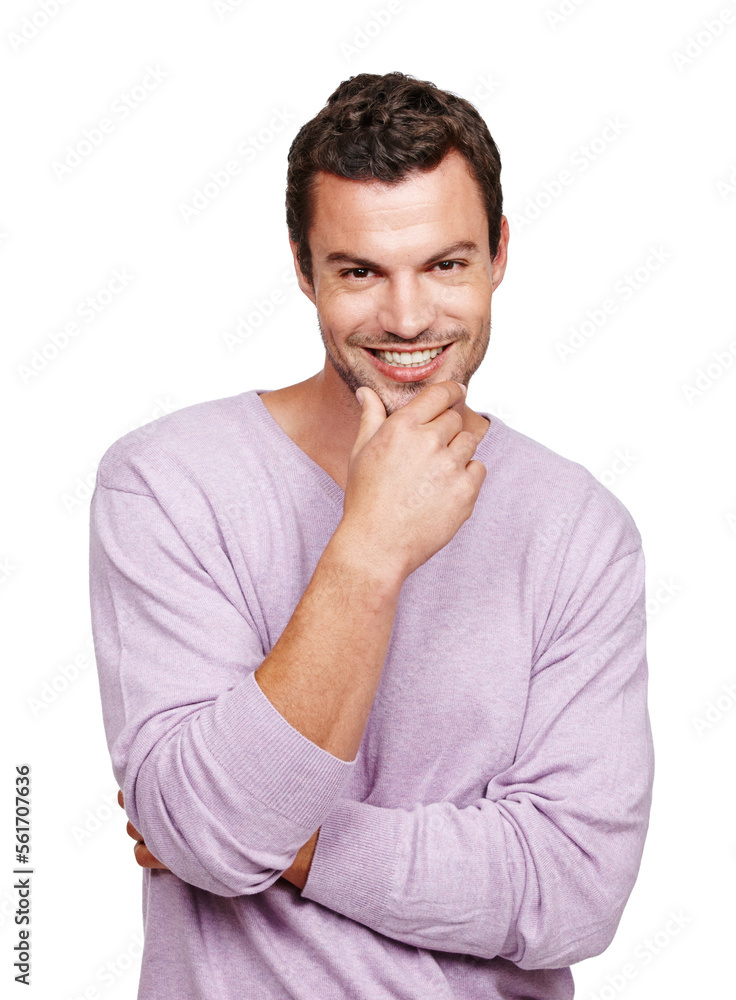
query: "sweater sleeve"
224, 790
539, 869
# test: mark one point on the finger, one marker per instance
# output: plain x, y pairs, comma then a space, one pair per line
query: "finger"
435, 399
477, 471
439, 406
144, 857
447, 425
464, 445
132, 832
372, 415
121, 803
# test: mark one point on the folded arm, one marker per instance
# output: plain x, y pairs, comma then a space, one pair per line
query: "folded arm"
296, 873
539, 869
223, 789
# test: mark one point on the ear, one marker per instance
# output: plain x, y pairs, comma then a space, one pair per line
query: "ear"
303, 283
499, 261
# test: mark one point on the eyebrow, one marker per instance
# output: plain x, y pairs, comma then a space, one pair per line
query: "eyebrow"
466, 247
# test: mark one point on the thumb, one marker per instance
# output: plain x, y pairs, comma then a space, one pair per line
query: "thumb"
372, 415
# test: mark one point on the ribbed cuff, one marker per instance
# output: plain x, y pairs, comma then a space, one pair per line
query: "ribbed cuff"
356, 860
264, 753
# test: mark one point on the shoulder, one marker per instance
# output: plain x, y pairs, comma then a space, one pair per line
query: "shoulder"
189, 438
566, 500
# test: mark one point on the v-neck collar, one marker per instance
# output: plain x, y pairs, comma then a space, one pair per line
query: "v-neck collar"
488, 451
273, 427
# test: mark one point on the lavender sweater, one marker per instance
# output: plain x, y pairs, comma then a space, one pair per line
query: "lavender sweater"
490, 830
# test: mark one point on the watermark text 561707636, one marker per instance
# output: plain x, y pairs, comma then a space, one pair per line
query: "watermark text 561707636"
22, 947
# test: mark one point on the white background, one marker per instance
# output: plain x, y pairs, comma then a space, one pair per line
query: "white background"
546, 76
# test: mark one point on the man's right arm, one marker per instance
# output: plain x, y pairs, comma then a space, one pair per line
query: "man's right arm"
411, 485
227, 774
223, 789
323, 672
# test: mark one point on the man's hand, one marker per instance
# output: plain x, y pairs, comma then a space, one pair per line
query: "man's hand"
297, 874
412, 479
142, 855
299, 871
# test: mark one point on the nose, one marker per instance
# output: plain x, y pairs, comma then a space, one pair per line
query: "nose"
406, 307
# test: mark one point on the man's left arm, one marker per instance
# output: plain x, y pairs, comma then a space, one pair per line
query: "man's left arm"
539, 870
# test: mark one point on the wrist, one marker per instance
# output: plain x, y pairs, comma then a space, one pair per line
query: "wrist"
298, 872
357, 559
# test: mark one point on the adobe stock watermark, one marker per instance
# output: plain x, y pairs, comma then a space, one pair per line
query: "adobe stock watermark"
113, 970
630, 629
148, 425
484, 88
580, 160
550, 532
79, 494
260, 311
53, 687
95, 818
707, 376
622, 462
666, 590
624, 289
715, 710
731, 521
422, 493
246, 151
7, 569
501, 411
8, 906
701, 40
89, 309
121, 108
562, 12
34, 23
224, 7
727, 188
366, 32
643, 956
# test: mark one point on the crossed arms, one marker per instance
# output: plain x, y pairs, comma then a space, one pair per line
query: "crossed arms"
296, 874
229, 796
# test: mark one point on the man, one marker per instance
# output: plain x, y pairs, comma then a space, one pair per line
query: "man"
374, 679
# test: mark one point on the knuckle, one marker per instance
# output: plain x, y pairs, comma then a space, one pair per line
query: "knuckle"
466, 489
458, 420
440, 393
443, 390
436, 439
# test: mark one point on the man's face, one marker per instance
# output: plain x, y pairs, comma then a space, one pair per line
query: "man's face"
404, 267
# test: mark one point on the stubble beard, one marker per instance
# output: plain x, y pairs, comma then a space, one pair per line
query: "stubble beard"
365, 374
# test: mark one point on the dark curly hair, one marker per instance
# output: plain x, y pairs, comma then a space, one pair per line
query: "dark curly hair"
382, 127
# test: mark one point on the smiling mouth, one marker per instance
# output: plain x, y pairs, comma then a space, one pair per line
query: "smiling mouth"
408, 359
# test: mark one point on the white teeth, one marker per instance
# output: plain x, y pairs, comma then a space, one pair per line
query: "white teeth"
406, 359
